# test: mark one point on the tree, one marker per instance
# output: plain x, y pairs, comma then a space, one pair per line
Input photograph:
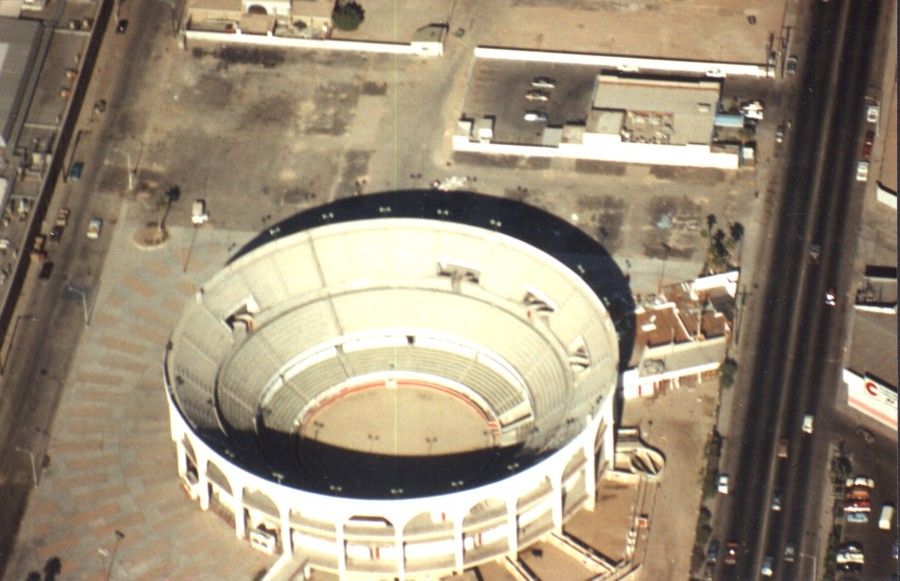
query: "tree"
348, 15
737, 231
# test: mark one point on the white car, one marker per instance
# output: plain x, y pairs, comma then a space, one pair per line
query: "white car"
535, 116
766, 569
537, 96
94, 227
872, 113
543, 83
807, 424
830, 297
862, 171
723, 484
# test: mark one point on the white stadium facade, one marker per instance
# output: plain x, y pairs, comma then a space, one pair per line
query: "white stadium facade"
401, 385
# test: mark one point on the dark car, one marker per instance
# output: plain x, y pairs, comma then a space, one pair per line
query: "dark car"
712, 552
46, 270
75, 171
55, 233
122, 26
867, 145
731, 553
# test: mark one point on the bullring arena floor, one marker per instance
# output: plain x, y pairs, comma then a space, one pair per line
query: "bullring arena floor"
398, 421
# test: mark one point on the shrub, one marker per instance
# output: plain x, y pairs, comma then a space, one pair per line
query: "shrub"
348, 15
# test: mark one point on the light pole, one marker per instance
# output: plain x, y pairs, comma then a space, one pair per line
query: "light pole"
33, 468
80, 291
112, 558
131, 170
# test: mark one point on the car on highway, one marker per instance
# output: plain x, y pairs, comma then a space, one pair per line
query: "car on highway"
862, 171
543, 83
722, 484
868, 141
790, 553
94, 227
815, 250
830, 297
857, 517
122, 26
783, 448
55, 233
767, 568
779, 134
535, 116
793, 62
537, 95
872, 113
712, 552
75, 171
730, 553
807, 426
776, 502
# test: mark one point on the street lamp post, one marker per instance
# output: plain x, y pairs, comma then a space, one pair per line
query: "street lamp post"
80, 291
33, 467
112, 558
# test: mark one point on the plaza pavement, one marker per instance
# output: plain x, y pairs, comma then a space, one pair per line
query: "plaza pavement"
112, 464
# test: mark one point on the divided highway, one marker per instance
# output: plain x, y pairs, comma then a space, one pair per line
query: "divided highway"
796, 360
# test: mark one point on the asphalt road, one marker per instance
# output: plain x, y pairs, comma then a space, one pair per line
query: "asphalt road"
50, 316
797, 352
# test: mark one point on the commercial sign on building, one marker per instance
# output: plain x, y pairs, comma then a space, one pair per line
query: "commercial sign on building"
872, 397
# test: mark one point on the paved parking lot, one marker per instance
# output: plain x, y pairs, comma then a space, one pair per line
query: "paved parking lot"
498, 89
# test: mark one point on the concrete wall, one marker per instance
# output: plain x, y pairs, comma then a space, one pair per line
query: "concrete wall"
626, 63
415, 49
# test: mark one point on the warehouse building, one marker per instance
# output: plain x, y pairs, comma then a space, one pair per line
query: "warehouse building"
18, 48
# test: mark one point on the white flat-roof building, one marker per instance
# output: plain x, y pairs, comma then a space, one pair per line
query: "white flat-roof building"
401, 385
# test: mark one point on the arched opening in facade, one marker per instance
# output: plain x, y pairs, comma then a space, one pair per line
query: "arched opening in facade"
257, 9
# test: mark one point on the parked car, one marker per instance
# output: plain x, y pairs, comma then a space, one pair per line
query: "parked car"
537, 95
793, 62
122, 26
830, 297
55, 234
543, 83
857, 517
779, 134
75, 170
712, 552
867, 436
46, 270
722, 485
535, 116
872, 113
862, 171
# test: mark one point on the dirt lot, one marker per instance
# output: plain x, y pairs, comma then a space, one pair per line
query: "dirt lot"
693, 29
678, 424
